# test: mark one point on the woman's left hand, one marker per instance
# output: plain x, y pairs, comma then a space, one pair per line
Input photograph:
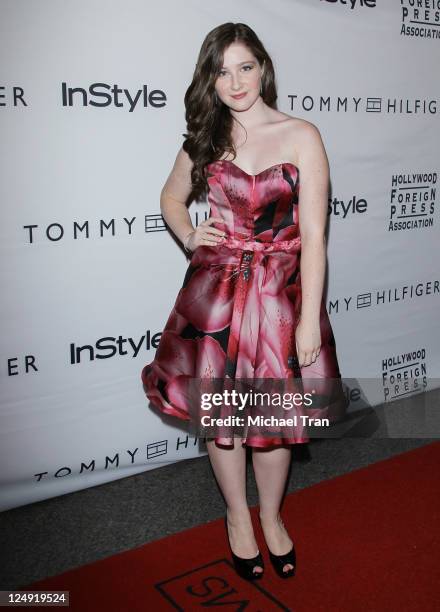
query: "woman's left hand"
308, 342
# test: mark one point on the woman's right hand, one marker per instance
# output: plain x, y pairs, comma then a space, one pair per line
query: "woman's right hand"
204, 235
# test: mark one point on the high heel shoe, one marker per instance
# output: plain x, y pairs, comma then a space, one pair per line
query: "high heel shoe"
245, 567
279, 561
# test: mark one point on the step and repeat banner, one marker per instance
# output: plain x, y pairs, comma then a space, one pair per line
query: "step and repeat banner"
92, 114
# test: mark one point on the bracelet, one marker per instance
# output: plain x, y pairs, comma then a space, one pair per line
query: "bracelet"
185, 240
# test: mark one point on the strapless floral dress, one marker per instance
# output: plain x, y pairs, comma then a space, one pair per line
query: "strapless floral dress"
236, 313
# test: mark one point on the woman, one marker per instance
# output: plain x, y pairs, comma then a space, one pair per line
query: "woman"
251, 304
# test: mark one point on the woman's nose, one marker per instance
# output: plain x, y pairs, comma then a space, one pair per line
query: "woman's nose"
235, 82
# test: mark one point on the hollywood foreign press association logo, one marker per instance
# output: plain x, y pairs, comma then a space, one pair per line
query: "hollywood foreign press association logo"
412, 201
420, 18
404, 374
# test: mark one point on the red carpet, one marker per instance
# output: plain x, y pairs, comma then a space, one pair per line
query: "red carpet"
366, 541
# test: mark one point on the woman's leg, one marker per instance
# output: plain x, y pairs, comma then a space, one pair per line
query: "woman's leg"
229, 466
271, 468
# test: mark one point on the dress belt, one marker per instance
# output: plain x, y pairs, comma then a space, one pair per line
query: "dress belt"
238, 254
248, 244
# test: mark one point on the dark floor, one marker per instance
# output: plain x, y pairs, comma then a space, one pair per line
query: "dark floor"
52, 536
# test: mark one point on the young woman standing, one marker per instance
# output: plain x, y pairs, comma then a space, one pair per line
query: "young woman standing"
251, 305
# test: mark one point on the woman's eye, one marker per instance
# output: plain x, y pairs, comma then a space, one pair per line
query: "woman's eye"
246, 68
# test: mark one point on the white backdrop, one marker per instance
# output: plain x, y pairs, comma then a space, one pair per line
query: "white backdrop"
86, 260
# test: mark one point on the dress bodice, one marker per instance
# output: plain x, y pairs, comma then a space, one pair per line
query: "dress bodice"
261, 207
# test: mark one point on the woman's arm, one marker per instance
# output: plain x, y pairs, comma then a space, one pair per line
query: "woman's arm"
313, 205
174, 195
173, 199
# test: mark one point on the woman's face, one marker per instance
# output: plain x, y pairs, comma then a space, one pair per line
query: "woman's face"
240, 74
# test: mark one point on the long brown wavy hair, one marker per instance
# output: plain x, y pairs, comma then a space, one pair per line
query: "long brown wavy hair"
208, 120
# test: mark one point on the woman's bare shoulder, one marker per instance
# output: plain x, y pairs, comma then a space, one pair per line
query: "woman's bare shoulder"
301, 137
296, 135
299, 128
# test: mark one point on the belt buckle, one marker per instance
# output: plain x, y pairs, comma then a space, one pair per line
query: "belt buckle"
247, 257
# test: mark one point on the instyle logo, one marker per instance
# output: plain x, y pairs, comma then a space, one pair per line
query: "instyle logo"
110, 346
412, 201
353, 3
341, 208
348, 104
102, 95
420, 18
404, 374
380, 297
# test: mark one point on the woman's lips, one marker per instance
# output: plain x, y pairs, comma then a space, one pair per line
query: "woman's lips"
239, 96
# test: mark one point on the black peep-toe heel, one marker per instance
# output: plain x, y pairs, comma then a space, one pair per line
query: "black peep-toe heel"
279, 561
245, 567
